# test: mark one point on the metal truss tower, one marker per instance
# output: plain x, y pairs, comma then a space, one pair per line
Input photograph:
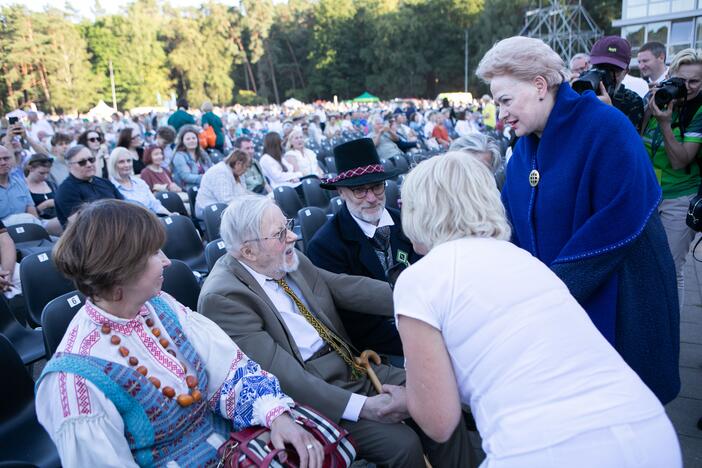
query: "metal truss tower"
567, 28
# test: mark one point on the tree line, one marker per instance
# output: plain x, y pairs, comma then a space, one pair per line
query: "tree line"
258, 52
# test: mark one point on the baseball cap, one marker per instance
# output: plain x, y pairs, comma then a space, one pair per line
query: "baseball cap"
614, 50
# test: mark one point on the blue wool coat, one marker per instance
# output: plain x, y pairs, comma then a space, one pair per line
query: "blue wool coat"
341, 247
592, 218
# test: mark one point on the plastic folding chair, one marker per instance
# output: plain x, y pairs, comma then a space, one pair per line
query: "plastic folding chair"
41, 282
172, 202
213, 218
288, 200
183, 242
28, 343
23, 438
180, 282
27, 232
314, 195
335, 204
56, 316
213, 252
311, 219
392, 194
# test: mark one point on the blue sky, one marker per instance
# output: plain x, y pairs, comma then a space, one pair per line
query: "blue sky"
110, 6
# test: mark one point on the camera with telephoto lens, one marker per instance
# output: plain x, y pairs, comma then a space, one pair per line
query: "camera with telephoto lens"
591, 79
668, 90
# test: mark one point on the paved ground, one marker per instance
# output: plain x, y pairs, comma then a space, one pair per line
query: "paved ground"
685, 410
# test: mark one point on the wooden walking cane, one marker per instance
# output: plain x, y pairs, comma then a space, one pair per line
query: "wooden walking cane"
365, 360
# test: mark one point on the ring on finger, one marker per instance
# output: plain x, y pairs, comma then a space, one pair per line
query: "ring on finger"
309, 446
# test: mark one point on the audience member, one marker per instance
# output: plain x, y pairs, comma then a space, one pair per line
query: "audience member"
255, 181
9, 268
42, 191
489, 112
439, 131
302, 160
81, 185
579, 64
364, 238
165, 138
612, 54
202, 388
154, 174
283, 312
278, 171
211, 119
673, 139
39, 129
181, 117
486, 324
651, 58
384, 137
130, 138
591, 216
222, 182
59, 145
486, 150
132, 188
16, 204
94, 140
189, 161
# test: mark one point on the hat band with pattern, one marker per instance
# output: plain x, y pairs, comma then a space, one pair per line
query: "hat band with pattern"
355, 172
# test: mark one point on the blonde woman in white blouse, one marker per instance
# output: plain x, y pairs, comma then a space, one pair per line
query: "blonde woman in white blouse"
303, 160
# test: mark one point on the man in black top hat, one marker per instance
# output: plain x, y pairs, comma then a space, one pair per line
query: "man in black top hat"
364, 238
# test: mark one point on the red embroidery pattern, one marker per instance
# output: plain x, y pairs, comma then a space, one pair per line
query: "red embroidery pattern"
63, 393
81, 388
166, 360
355, 172
274, 413
97, 317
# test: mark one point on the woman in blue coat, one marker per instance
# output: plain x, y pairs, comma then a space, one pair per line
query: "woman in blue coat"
582, 197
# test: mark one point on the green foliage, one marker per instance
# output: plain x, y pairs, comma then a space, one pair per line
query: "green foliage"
261, 51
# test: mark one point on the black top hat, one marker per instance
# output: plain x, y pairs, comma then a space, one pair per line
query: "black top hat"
358, 164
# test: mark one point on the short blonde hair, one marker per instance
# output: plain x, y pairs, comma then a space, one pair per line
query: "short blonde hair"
685, 57
114, 157
450, 197
288, 140
524, 58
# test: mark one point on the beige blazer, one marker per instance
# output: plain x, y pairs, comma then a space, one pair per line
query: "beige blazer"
233, 299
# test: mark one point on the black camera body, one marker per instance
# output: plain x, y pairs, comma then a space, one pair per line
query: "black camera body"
591, 79
669, 90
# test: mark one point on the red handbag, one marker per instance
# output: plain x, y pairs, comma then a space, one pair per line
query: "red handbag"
251, 447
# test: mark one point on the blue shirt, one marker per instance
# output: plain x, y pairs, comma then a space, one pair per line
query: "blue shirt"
141, 194
73, 192
15, 197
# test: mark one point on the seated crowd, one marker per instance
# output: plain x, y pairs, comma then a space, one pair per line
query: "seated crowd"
536, 301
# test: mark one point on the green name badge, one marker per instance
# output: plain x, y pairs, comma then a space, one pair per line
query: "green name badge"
402, 257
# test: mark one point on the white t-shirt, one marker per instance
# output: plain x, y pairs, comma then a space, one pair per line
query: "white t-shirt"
527, 359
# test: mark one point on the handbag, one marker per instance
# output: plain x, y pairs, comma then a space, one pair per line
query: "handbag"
251, 447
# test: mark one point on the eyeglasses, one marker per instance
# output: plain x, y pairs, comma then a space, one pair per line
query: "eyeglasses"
94, 139
280, 235
361, 192
85, 161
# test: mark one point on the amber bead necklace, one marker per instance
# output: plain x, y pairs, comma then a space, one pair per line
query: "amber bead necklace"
183, 399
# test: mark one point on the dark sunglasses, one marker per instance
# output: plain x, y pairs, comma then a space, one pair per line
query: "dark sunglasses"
85, 161
94, 139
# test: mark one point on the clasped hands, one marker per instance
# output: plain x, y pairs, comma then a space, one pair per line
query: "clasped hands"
388, 407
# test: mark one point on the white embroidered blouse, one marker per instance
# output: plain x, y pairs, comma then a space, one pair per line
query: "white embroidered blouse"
86, 426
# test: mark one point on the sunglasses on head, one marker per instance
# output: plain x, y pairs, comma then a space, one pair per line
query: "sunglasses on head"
85, 161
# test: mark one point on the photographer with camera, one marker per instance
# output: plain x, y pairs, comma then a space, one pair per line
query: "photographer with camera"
610, 57
673, 137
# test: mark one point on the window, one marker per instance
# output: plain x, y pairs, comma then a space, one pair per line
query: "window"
682, 5
698, 38
658, 8
635, 36
636, 8
680, 36
657, 32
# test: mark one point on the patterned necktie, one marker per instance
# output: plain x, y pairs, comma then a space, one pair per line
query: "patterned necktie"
329, 337
381, 244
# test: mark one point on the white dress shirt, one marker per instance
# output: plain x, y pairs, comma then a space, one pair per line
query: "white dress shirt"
369, 228
276, 176
306, 337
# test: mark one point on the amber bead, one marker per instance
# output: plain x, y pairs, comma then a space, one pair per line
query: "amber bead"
149, 322
196, 394
164, 342
185, 400
105, 328
115, 340
142, 370
123, 351
171, 352
155, 381
156, 332
168, 392
133, 361
191, 380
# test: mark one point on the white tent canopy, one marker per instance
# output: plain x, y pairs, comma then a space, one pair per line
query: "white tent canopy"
292, 102
101, 110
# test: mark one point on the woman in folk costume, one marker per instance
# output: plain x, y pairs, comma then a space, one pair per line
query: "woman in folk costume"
581, 196
138, 378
